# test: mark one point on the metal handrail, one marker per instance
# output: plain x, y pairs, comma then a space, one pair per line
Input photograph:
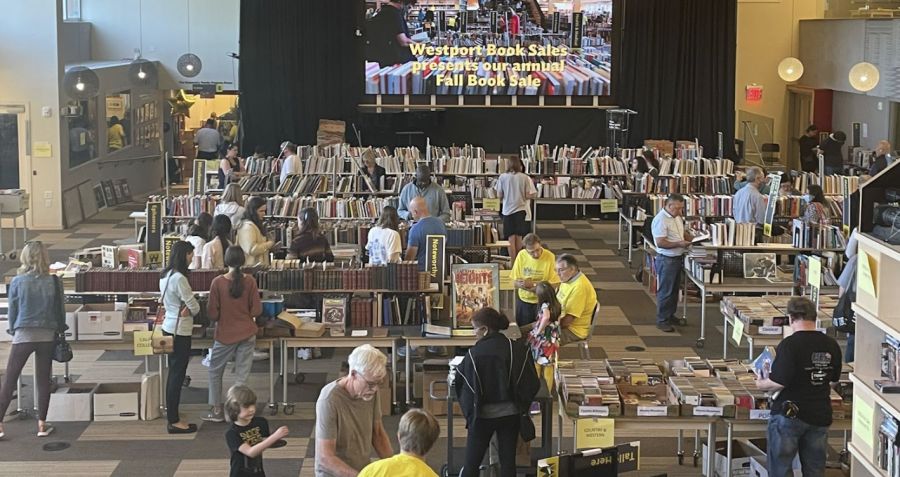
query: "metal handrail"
141, 158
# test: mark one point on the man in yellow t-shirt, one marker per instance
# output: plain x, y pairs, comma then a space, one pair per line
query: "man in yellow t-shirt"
533, 265
578, 299
417, 434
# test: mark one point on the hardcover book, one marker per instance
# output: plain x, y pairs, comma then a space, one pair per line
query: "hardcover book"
474, 286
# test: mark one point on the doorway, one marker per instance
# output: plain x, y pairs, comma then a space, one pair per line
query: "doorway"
800, 116
9, 151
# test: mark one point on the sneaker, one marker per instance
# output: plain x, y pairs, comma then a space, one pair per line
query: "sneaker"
316, 353
414, 352
437, 350
260, 355
535, 408
304, 354
205, 361
212, 416
665, 327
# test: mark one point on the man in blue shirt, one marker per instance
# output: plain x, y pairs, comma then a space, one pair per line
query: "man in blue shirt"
417, 246
425, 188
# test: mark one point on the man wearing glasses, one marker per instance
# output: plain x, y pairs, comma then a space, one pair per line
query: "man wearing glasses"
533, 265
671, 241
348, 417
578, 299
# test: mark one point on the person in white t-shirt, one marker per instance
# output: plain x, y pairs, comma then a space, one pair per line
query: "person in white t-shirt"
515, 188
384, 245
291, 164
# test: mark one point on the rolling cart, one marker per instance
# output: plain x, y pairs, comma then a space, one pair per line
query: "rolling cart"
13, 205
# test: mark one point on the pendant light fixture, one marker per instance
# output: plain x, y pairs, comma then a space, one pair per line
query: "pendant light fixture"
80, 82
864, 76
791, 69
142, 72
189, 64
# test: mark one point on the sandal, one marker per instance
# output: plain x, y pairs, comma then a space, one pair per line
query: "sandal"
45, 430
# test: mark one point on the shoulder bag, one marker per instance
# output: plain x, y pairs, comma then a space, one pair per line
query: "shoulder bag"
62, 352
162, 344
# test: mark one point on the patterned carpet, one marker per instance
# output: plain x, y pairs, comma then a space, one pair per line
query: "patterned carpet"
141, 448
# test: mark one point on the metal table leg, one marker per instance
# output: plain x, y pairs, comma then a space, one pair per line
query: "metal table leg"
629, 242
163, 372
619, 236
680, 450
711, 445
700, 341
272, 404
395, 404
750, 346
724, 336
728, 450
697, 447
409, 377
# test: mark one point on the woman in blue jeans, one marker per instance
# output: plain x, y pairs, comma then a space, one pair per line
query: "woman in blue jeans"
181, 307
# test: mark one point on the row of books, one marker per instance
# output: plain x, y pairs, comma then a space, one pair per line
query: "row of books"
887, 448
383, 311
259, 183
814, 236
135, 280
831, 185
694, 205
691, 165
403, 276
186, 205
268, 165
574, 188
330, 207
684, 185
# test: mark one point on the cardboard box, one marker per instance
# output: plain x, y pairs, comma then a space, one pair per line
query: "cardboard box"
436, 371
741, 454
116, 402
72, 322
72, 403
100, 321
689, 410
114, 255
832, 459
634, 410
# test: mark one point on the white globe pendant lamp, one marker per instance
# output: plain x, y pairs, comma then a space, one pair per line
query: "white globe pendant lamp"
790, 69
864, 76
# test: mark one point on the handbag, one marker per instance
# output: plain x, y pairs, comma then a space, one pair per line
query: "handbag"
62, 352
844, 318
526, 427
162, 344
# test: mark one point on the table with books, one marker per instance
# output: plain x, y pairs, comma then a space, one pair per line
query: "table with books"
702, 270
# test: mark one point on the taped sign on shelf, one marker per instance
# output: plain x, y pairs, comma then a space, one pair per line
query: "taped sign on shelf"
595, 433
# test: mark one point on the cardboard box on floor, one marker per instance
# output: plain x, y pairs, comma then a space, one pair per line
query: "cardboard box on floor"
72, 403
385, 394
72, 321
116, 402
741, 454
832, 459
436, 371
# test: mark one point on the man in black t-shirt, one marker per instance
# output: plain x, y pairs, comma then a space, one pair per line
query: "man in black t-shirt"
809, 160
831, 148
389, 39
806, 363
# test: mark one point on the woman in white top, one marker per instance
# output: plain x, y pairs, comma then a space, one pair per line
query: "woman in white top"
251, 234
180, 306
232, 204
213, 256
384, 244
198, 234
514, 187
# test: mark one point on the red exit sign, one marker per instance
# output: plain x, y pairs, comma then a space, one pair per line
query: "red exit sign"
754, 93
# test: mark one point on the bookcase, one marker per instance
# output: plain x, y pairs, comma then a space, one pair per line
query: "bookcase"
874, 445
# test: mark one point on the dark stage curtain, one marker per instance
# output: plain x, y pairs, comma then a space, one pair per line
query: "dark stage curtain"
299, 63
678, 70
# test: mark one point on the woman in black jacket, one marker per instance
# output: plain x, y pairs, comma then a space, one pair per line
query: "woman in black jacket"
496, 384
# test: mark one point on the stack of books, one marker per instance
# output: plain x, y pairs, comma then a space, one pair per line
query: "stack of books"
142, 280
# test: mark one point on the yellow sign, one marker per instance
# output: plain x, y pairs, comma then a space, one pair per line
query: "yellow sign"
43, 149
491, 204
862, 421
154, 257
814, 275
738, 333
594, 433
767, 230
506, 282
220, 87
867, 270
608, 206
142, 343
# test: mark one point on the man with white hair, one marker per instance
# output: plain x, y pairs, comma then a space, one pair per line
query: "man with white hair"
749, 205
348, 417
882, 159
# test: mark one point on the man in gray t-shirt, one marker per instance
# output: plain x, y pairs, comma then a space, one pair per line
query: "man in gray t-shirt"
348, 417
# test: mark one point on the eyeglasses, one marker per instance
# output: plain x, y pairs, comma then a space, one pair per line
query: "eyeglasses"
561, 269
369, 384
38, 242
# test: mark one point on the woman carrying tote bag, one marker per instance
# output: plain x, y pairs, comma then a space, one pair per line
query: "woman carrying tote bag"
180, 308
234, 304
37, 315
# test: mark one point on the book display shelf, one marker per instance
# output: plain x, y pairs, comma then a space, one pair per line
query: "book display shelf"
876, 411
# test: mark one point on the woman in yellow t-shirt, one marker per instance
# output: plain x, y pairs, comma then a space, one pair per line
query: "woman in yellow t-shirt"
115, 134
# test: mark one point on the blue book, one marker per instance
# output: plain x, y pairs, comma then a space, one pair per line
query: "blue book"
763, 363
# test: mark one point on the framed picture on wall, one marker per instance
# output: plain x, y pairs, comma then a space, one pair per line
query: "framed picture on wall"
117, 189
125, 190
99, 197
114, 103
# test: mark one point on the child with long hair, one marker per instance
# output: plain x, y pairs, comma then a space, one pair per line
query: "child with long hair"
198, 235
544, 336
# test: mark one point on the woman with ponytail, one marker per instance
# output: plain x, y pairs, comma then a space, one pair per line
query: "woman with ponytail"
234, 303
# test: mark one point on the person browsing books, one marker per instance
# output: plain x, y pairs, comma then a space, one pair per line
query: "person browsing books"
831, 148
291, 164
749, 203
670, 240
310, 244
417, 245
740, 182
230, 166
882, 151
251, 234
234, 305
208, 141
384, 245
817, 213
578, 299
533, 264
197, 235
37, 316
213, 256
809, 161
544, 336
248, 435
515, 188
348, 417
232, 204
372, 170
799, 383
425, 188
495, 383
417, 433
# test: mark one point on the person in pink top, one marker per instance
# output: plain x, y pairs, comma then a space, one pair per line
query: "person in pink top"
234, 304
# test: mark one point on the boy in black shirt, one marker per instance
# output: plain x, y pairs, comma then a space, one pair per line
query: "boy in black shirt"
806, 363
831, 149
809, 161
248, 435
